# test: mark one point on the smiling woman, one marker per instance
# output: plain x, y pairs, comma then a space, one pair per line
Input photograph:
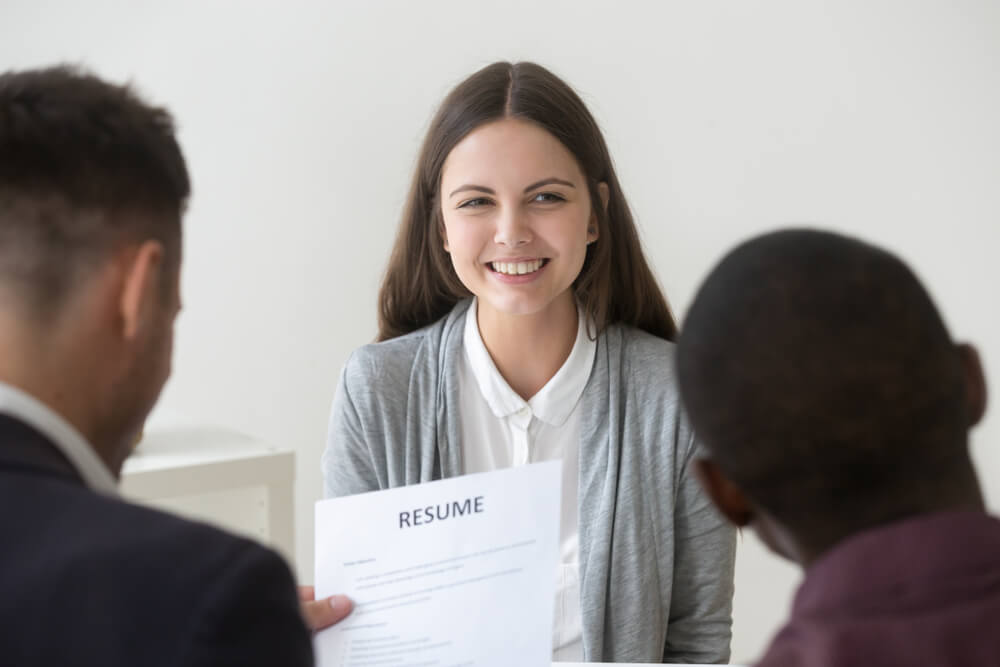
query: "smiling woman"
518, 241
520, 322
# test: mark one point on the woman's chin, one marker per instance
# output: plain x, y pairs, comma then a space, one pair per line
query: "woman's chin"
522, 305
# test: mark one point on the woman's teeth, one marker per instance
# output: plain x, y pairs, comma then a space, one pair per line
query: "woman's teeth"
517, 268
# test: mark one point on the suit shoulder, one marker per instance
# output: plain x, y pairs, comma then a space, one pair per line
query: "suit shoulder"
188, 560
170, 580
137, 531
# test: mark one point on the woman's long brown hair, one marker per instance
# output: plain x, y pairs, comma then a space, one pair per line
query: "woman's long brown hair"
615, 285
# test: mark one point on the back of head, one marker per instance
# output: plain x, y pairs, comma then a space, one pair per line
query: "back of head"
84, 167
823, 382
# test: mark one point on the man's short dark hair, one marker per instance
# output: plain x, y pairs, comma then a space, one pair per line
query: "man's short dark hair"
84, 166
822, 380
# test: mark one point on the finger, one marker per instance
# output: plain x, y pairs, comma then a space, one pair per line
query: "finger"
323, 613
307, 593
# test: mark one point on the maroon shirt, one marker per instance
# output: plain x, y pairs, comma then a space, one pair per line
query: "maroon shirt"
923, 591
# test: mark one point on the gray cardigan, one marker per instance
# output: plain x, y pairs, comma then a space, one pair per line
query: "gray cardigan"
656, 559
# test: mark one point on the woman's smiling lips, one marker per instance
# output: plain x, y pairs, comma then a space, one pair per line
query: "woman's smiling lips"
517, 270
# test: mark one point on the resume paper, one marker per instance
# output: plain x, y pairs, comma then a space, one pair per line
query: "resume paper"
454, 572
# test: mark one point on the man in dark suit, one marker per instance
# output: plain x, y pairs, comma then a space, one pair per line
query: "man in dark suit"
92, 190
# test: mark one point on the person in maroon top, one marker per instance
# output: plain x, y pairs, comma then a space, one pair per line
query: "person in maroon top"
835, 410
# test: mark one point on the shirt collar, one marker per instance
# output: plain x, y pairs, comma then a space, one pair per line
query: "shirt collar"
554, 403
62, 434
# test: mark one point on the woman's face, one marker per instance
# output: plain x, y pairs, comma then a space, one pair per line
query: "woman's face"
517, 216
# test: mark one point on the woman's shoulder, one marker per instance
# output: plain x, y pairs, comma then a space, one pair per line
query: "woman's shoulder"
643, 353
389, 357
395, 358
646, 374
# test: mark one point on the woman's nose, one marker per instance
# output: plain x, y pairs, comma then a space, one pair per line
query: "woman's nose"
512, 230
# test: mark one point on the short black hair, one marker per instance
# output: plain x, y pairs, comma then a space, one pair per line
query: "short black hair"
822, 380
84, 166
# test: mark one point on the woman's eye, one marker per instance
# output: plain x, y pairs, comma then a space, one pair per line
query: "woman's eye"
549, 197
475, 203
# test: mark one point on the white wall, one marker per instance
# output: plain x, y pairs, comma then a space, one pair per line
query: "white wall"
301, 122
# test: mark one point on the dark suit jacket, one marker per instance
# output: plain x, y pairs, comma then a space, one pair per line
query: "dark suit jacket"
91, 580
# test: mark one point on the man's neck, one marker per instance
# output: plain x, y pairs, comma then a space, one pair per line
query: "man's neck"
37, 366
962, 494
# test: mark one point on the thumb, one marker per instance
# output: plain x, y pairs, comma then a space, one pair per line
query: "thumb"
323, 613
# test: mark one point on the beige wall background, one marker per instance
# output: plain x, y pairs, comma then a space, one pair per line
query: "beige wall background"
301, 121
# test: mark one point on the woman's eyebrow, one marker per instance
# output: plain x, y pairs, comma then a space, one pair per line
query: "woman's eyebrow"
534, 186
548, 181
476, 188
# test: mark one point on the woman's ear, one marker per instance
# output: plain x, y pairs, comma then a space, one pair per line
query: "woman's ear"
592, 228
605, 193
442, 230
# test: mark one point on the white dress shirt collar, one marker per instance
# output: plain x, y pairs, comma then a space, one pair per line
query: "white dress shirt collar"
62, 434
554, 402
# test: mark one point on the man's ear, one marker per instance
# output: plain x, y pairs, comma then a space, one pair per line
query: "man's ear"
730, 500
975, 383
140, 287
